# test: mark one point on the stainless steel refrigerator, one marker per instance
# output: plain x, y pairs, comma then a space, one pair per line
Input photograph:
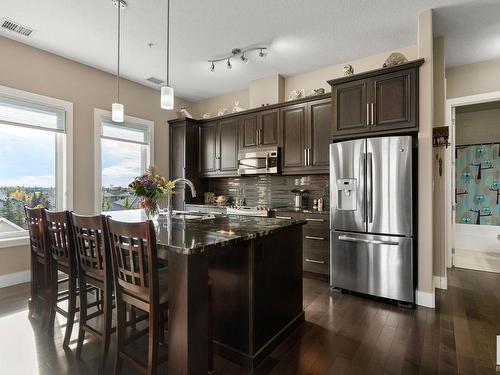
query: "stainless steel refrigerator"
371, 217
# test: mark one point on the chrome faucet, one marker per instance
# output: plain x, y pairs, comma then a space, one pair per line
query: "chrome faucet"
189, 183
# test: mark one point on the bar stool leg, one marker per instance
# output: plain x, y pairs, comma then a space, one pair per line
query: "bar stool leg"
71, 309
120, 333
106, 334
83, 321
52, 294
153, 341
211, 369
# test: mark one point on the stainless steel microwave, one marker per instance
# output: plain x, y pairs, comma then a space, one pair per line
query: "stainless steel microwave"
264, 160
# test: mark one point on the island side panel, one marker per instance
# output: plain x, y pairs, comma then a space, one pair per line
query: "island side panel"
188, 314
277, 287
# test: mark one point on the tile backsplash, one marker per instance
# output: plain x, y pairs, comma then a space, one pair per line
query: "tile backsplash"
272, 190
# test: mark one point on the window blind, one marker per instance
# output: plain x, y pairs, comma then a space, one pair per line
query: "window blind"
128, 132
24, 113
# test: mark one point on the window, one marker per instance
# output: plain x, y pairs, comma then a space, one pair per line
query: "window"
123, 152
35, 154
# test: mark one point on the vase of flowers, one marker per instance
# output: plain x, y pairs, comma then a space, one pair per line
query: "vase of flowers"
153, 190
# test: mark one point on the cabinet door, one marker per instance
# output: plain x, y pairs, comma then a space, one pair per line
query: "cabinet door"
319, 125
268, 128
394, 99
208, 136
228, 146
248, 131
293, 125
177, 151
349, 102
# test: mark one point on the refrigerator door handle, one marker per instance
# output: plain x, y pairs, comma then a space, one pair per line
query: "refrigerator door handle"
375, 242
369, 183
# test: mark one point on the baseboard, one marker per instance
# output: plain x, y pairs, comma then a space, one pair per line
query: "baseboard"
441, 282
14, 278
425, 299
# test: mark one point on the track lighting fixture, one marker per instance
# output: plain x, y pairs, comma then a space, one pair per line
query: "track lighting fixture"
237, 52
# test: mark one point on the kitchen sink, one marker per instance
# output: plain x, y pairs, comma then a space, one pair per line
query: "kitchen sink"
187, 215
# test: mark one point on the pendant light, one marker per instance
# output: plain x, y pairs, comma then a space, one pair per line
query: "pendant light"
167, 92
117, 109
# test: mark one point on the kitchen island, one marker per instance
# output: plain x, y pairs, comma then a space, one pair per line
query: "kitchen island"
255, 270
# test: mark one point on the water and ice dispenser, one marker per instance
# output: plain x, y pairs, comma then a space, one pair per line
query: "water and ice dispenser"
346, 194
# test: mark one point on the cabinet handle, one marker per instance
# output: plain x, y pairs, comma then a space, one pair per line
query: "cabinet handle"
317, 220
367, 114
315, 238
305, 157
371, 110
308, 156
284, 217
315, 261
215, 213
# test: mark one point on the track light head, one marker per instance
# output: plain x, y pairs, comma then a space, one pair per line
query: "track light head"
244, 58
212, 67
262, 53
229, 66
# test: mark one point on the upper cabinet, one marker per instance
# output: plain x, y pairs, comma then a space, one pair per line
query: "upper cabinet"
183, 152
305, 130
383, 100
219, 148
259, 129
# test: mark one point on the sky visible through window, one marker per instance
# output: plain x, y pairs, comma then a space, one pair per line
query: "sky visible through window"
27, 157
121, 162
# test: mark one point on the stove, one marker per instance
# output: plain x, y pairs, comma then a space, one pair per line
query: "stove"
260, 211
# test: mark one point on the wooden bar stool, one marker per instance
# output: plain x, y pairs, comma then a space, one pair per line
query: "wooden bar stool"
138, 283
94, 269
63, 259
40, 263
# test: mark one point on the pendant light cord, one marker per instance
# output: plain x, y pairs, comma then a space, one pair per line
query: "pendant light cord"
168, 42
118, 70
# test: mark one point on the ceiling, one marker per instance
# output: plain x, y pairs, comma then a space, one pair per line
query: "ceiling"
302, 35
471, 31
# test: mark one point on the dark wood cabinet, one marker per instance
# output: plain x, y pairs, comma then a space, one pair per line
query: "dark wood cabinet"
259, 129
208, 149
183, 155
293, 126
315, 243
306, 137
219, 148
318, 134
381, 101
393, 98
248, 131
227, 142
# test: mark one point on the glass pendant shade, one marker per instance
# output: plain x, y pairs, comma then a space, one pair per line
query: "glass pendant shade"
167, 97
117, 112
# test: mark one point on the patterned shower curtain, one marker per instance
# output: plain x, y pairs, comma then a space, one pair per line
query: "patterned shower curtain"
477, 184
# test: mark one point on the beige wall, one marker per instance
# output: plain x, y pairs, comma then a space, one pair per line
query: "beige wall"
425, 288
257, 93
477, 127
264, 91
318, 78
439, 262
30, 69
212, 105
472, 79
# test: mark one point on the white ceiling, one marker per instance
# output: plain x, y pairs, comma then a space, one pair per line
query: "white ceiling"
303, 35
471, 31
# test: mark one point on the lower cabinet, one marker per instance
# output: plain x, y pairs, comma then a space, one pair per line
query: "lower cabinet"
316, 241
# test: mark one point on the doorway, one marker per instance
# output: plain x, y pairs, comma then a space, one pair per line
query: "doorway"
473, 186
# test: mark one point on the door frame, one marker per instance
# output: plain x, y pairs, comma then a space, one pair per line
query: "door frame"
449, 162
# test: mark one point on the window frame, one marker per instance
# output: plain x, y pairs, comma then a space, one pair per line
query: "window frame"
63, 155
99, 115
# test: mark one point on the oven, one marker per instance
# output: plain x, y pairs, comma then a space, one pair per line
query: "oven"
264, 160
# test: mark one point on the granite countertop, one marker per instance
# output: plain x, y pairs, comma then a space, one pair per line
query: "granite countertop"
191, 237
301, 210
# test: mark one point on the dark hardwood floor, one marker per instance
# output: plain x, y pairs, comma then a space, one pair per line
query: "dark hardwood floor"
343, 334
